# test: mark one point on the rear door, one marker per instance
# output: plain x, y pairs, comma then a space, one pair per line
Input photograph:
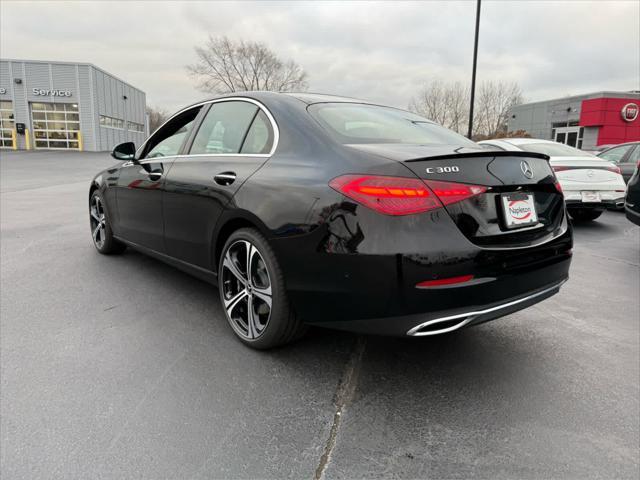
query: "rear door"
140, 183
235, 138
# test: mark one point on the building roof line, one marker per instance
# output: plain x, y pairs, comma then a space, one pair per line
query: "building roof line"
58, 62
602, 93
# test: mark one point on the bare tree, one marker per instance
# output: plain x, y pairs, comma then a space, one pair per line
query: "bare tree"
448, 105
226, 66
493, 103
157, 117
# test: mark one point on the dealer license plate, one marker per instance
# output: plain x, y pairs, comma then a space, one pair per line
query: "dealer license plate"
519, 210
590, 197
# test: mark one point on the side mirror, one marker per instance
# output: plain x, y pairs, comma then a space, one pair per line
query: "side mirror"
124, 151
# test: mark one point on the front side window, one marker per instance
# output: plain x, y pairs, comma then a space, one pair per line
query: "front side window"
353, 123
615, 154
168, 140
224, 128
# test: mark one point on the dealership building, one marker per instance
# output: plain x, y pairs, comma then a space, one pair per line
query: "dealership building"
582, 121
67, 106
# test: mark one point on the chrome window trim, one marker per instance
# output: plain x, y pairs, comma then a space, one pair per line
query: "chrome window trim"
260, 105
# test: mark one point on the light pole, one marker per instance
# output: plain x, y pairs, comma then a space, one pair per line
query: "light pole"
473, 74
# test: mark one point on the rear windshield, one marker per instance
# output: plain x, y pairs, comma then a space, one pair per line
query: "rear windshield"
351, 123
554, 150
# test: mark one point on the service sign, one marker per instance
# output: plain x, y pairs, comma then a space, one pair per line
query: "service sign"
630, 112
39, 92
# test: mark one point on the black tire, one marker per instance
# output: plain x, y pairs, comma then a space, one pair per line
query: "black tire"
584, 214
101, 232
259, 330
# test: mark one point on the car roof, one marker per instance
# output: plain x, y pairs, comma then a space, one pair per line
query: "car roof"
309, 98
609, 147
524, 141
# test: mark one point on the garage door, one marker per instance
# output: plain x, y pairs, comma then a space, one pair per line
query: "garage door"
6, 124
55, 125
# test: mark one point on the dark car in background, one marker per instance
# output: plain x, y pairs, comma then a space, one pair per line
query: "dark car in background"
626, 156
314, 209
632, 201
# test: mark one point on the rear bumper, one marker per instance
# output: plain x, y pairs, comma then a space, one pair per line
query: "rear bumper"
632, 215
364, 278
425, 324
610, 199
459, 313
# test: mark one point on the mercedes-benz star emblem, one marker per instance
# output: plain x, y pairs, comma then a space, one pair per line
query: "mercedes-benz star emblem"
526, 169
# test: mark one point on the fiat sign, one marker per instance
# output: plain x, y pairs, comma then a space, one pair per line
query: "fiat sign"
630, 112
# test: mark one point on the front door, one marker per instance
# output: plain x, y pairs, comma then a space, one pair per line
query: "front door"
140, 184
568, 136
234, 139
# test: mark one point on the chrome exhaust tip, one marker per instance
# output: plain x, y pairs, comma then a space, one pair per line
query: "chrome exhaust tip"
440, 325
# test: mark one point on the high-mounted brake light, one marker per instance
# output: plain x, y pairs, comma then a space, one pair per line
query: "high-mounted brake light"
401, 195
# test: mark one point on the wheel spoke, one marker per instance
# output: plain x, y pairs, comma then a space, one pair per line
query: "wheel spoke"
263, 296
94, 214
233, 301
229, 264
96, 231
252, 332
249, 252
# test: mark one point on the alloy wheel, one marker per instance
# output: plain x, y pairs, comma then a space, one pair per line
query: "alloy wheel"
98, 222
246, 289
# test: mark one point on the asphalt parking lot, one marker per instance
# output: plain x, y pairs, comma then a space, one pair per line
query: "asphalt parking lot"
123, 367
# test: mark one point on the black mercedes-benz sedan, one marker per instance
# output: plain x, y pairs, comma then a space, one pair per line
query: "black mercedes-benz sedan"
313, 209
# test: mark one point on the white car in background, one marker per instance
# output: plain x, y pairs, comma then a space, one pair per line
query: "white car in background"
589, 183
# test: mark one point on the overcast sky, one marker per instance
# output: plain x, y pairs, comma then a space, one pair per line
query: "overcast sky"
380, 51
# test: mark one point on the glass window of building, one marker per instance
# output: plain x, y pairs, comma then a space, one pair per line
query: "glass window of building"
55, 125
6, 124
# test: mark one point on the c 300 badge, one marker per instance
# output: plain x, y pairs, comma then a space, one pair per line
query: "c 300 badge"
452, 169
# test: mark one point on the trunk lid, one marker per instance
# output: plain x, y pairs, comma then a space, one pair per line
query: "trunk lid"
482, 218
581, 172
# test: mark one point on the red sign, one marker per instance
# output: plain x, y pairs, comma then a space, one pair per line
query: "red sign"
630, 112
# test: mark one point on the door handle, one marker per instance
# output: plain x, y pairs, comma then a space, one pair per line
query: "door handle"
155, 176
225, 178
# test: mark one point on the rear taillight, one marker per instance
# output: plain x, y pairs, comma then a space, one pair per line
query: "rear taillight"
559, 168
400, 195
449, 192
558, 187
388, 195
614, 169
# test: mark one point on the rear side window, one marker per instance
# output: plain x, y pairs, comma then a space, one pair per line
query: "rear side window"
615, 154
260, 137
353, 123
224, 128
491, 146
